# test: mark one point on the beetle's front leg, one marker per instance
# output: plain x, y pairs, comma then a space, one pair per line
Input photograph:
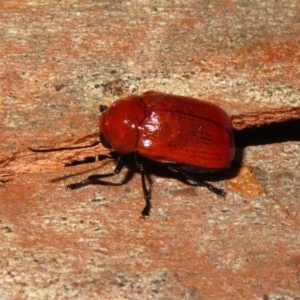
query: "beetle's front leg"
146, 191
93, 179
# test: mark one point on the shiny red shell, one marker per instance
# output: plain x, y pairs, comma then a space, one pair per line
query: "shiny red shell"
170, 129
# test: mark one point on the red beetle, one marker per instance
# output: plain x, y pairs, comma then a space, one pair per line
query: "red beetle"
191, 136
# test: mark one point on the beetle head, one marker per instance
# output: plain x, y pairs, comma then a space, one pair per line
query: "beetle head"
119, 124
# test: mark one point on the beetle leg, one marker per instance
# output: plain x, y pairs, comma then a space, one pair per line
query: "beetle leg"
147, 194
219, 192
189, 177
94, 178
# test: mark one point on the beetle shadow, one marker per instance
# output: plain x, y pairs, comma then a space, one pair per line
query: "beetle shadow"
163, 170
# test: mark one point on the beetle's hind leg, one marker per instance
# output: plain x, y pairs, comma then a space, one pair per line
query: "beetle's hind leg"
218, 191
190, 177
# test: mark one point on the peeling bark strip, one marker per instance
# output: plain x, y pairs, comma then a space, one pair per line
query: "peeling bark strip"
256, 119
25, 161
